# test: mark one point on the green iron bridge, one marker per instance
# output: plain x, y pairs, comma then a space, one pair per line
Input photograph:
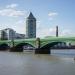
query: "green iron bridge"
41, 46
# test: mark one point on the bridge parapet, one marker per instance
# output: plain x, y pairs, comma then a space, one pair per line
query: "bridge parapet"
56, 39
37, 42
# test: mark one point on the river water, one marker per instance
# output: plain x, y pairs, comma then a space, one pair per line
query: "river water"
27, 63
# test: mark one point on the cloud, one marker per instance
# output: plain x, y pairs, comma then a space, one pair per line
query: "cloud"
52, 14
20, 26
12, 6
10, 11
67, 32
43, 32
52, 29
20, 22
38, 24
20, 29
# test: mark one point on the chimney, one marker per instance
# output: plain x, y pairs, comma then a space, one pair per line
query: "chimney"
56, 31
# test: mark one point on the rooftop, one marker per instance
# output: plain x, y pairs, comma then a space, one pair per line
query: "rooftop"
31, 16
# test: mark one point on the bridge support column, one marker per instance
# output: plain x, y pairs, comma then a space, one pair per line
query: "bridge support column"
14, 49
39, 50
42, 51
38, 43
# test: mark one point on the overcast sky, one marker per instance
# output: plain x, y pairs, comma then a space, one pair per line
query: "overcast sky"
49, 14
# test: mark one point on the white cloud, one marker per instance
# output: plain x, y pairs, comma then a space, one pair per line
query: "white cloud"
43, 32
67, 32
12, 6
20, 26
20, 29
52, 29
38, 24
20, 22
11, 11
46, 32
52, 14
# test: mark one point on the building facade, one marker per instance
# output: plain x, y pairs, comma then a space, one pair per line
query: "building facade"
31, 26
2, 35
20, 36
10, 34
7, 34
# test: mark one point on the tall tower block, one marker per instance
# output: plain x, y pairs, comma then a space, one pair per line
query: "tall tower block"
31, 26
56, 31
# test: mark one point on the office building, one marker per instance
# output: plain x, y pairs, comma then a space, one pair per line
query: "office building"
31, 26
10, 34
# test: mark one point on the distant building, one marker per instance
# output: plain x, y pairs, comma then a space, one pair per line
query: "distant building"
7, 34
10, 34
31, 26
20, 36
2, 34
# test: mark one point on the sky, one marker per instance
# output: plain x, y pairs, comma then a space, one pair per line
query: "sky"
48, 13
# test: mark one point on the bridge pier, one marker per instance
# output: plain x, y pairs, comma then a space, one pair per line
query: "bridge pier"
14, 49
39, 50
42, 51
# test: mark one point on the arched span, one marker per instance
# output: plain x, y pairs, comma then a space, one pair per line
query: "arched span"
46, 48
49, 45
4, 47
21, 46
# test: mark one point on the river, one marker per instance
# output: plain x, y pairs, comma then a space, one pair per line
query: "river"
27, 63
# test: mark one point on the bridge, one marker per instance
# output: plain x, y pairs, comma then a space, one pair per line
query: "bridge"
41, 46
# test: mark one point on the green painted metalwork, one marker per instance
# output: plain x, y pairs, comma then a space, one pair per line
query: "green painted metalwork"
43, 41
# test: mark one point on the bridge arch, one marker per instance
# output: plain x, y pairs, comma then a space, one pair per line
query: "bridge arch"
19, 47
46, 48
4, 47
51, 44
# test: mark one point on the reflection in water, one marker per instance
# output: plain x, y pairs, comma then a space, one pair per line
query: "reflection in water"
31, 64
